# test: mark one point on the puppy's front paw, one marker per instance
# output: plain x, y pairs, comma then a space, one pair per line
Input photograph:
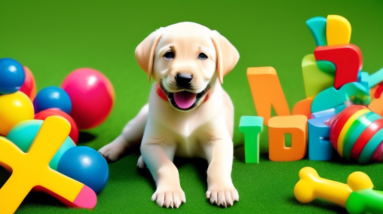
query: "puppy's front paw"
223, 195
169, 197
114, 150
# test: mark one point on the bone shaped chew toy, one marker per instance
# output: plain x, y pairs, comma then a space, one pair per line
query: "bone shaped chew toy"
357, 196
312, 186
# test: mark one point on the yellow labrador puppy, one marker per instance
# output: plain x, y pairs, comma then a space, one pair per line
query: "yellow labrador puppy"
188, 114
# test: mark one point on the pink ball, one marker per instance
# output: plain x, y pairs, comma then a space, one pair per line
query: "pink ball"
92, 96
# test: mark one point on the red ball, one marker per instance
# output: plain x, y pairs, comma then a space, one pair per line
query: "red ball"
42, 115
29, 86
92, 97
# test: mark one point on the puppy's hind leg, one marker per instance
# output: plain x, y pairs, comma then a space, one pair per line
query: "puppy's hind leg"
131, 136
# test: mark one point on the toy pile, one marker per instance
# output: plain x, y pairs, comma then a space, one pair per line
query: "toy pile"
85, 99
354, 136
333, 80
345, 112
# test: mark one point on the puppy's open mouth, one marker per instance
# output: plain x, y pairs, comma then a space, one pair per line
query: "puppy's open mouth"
184, 100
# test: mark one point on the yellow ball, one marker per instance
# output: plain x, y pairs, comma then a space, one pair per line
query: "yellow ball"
14, 108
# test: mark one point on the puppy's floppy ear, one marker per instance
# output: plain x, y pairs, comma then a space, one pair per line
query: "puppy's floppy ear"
227, 54
145, 51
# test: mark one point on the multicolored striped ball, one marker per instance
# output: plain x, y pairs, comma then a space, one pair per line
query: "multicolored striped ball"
357, 133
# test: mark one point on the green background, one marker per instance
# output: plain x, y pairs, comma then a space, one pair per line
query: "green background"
53, 38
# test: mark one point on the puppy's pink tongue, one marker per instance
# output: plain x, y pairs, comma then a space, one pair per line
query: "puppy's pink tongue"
184, 99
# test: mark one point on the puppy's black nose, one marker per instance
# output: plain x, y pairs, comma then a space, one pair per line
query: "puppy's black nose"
184, 80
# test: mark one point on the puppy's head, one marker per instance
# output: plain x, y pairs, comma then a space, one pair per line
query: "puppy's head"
185, 59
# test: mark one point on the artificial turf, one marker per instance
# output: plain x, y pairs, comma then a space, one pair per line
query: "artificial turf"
53, 38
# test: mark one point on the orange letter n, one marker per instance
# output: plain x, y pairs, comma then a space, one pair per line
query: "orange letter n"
267, 92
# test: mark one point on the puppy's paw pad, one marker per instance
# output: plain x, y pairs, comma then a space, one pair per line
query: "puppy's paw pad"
169, 199
224, 197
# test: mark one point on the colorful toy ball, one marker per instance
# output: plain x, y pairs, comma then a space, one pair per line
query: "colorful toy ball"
357, 133
92, 96
12, 76
42, 115
29, 86
52, 97
23, 134
85, 165
14, 108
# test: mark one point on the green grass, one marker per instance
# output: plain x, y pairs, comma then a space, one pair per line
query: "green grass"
53, 38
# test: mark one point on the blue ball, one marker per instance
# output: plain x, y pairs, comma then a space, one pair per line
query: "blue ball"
52, 97
85, 165
12, 76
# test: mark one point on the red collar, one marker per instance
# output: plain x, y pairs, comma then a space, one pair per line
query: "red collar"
164, 97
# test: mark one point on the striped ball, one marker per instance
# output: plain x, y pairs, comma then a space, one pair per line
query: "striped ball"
357, 133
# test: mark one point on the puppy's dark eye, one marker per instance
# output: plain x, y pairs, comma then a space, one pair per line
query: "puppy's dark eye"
169, 55
202, 56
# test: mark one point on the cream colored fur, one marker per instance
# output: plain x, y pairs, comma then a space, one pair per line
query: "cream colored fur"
205, 131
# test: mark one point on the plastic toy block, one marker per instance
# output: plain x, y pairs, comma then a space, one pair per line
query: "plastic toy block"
251, 126
374, 92
376, 104
347, 59
338, 30
331, 98
328, 112
303, 107
328, 99
314, 79
296, 126
320, 147
326, 66
357, 93
267, 92
378, 90
375, 78
324, 113
363, 79
317, 26
365, 201
311, 186
32, 169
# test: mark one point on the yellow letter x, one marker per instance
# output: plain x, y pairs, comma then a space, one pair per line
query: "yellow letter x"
32, 169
